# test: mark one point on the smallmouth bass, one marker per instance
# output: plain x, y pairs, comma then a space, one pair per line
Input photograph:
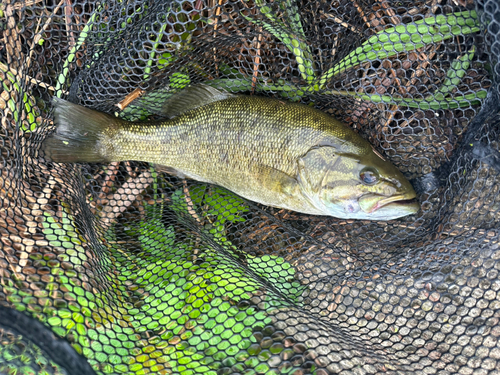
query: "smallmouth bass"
277, 153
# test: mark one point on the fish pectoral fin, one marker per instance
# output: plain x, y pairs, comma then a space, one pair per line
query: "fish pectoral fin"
314, 165
190, 98
277, 180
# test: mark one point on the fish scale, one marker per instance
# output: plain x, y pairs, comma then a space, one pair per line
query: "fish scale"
270, 151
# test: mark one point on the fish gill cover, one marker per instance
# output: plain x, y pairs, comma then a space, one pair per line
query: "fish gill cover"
131, 270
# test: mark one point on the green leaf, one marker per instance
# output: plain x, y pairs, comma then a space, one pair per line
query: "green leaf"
293, 17
290, 12
279, 273
28, 102
294, 41
222, 204
423, 104
165, 60
406, 38
61, 79
455, 74
179, 80
149, 64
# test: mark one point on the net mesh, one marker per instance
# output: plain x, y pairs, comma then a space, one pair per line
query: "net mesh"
142, 272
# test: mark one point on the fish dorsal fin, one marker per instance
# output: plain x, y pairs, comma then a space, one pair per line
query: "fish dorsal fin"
192, 97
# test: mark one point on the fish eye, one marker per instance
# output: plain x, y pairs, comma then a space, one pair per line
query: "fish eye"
368, 176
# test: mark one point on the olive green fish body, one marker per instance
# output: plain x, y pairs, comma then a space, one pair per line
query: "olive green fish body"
249, 145
277, 153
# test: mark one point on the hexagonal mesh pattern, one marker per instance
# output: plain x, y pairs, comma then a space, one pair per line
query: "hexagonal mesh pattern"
142, 272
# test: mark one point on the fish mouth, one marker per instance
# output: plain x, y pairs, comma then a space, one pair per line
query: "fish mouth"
403, 203
399, 201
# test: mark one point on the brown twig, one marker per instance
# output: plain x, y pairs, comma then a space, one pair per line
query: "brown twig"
22, 223
11, 37
216, 24
341, 22
38, 36
390, 11
402, 89
198, 6
217, 14
402, 125
192, 212
32, 49
256, 63
68, 11
189, 202
362, 13
130, 171
109, 179
123, 198
130, 98
393, 107
4, 97
424, 62
434, 6
34, 81
26, 4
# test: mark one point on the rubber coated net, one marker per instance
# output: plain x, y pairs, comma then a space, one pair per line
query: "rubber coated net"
121, 268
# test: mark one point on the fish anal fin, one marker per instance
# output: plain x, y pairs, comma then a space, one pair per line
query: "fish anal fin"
169, 170
190, 98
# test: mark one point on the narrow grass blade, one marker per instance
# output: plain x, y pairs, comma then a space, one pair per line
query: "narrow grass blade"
455, 74
28, 102
293, 41
406, 38
61, 79
245, 84
147, 70
458, 101
292, 15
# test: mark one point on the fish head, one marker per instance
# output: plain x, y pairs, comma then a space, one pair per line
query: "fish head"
355, 186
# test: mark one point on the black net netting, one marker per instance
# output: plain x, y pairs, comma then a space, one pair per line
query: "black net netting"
123, 268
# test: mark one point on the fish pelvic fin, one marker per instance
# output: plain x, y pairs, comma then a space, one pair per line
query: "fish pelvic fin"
82, 134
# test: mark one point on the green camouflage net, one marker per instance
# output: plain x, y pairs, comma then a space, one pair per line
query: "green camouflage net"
122, 268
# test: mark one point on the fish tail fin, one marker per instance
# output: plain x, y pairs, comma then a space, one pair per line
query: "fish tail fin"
79, 135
